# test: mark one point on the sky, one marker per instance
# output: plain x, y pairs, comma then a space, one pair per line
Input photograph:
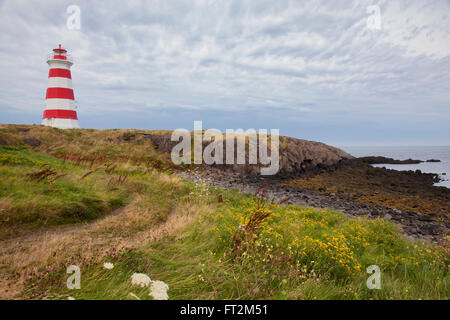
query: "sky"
316, 70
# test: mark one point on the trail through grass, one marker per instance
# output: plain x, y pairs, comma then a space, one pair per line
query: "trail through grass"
243, 247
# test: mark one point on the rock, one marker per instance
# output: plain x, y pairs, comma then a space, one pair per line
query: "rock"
128, 136
23, 130
162, 142
373, 184
425, 218
3, 142
296, 156
384, 160
32, 142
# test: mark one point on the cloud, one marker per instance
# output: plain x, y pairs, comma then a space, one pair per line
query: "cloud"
419, 29
232, 56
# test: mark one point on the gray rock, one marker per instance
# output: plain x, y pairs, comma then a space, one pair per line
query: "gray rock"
128, 136
23, 130
32, 142
414, 225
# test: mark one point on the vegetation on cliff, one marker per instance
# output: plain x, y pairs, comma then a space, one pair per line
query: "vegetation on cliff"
204, 242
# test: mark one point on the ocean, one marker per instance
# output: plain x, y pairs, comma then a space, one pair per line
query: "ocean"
414, 152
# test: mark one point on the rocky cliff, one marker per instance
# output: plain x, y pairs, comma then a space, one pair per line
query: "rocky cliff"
296, 156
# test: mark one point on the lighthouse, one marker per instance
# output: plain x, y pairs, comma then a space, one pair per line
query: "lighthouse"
60, 110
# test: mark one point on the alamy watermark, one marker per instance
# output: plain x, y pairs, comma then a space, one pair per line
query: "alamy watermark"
374, 20
374, 281
74, 281
73, 21
233, 147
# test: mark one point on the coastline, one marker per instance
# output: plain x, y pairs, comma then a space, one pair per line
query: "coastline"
423, 153
428, 219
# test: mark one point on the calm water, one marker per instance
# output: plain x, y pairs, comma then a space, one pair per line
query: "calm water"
416, 153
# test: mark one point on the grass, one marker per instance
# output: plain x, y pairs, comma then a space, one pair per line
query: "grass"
89, 170
243, 247
62, 198
299, 253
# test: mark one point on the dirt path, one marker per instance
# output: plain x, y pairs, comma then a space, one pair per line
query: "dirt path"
29, 256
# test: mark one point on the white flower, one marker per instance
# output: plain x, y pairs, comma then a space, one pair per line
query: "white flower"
158, 290
108, 265
140, 279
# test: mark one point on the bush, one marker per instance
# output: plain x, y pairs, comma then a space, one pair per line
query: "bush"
15, 159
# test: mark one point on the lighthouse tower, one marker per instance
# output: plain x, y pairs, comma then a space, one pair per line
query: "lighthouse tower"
60, 110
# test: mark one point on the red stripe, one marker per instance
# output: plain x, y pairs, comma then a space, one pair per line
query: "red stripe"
59, 93
60, 114
58, 72
58, 56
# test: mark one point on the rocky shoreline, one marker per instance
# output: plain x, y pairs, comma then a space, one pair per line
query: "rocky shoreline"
427, 226
385, 160
318, 175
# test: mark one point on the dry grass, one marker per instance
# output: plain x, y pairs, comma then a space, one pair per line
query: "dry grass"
157, 203
151, 233
24, 258
104, 144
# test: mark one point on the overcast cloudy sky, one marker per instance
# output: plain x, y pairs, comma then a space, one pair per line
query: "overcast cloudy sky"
313, 69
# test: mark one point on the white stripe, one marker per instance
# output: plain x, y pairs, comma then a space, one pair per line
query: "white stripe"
61, 123
63, 104
57, 82
61, 64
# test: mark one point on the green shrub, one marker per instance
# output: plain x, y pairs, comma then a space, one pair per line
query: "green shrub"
16, 159
12, 148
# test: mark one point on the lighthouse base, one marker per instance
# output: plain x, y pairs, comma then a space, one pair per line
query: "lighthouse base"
61, 123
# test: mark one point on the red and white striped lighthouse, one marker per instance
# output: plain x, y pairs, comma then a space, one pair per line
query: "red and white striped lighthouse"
60, 110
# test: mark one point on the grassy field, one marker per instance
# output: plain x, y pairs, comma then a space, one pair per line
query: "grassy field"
85, 198
57, 194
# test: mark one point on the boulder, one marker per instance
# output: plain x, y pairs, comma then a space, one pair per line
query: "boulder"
32, 142
23, 130
128, 136
162, 141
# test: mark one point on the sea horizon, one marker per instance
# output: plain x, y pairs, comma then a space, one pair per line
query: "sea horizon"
404, 152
